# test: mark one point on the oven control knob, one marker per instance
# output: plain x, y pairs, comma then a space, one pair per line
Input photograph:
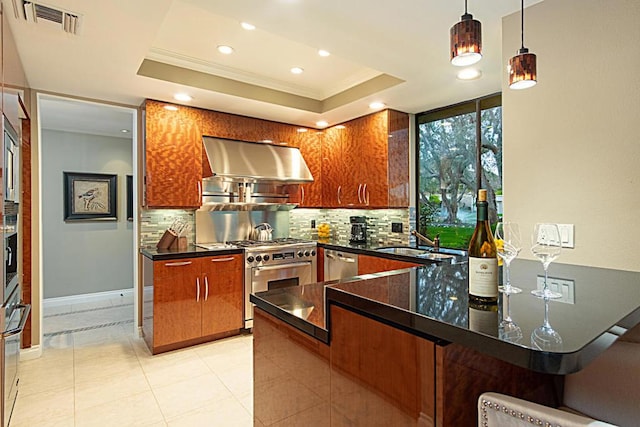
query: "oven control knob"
250, 259
300, 254
306, 253
266, 257
258, 258
313, 253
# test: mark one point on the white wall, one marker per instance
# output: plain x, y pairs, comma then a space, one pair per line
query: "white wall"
572, 143
84, 257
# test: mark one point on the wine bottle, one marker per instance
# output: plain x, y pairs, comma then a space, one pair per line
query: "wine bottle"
483, 261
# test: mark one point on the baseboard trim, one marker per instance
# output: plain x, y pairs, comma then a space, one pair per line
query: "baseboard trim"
30, 353
77, 299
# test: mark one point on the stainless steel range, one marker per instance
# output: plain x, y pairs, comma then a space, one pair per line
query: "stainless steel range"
273, 264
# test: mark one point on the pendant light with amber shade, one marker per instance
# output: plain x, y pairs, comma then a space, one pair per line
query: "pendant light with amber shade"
466, 40
522, 67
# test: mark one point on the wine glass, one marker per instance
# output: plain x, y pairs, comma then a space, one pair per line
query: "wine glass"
508, 246
545, 337
508, 330
546, 247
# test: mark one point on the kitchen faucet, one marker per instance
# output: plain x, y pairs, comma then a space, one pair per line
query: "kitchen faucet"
435, 243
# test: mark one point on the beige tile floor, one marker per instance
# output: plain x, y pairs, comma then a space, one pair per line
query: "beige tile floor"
96, 375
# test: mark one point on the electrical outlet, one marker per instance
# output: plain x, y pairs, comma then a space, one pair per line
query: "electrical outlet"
396, 227
564, 286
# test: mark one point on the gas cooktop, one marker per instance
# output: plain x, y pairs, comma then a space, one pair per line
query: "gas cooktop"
274, 242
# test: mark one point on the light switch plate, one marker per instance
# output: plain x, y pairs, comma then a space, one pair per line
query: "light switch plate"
565, 286
566, 235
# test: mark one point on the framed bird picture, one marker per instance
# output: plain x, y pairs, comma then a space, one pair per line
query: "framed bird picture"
90, 196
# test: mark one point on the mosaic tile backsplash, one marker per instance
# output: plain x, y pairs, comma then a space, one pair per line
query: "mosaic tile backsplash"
378, 224
154, 222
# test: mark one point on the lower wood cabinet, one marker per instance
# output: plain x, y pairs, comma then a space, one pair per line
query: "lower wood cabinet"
372, 264
192, 300
373, 374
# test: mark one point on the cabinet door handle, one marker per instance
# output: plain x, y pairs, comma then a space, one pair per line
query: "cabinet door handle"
222, 259
177, 264
197, 289
359, 196
199, 201
339, 190
302, 198
206, 288
365, 195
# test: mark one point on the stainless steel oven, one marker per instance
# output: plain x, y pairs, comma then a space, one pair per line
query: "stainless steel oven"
12, 320
276, 264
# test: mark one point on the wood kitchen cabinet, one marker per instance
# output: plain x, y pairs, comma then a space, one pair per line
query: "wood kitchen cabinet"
372, 264
224, 293
366, 162
173, 156
192, 300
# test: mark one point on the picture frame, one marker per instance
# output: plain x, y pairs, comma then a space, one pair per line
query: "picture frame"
129, 197
90, 196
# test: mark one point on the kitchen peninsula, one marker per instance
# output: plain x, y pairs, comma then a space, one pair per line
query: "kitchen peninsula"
397, 348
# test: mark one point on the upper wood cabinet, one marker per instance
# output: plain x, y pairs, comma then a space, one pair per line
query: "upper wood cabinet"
366, 162
173, 156
363, 163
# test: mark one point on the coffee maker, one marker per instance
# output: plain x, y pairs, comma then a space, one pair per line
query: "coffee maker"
358, 229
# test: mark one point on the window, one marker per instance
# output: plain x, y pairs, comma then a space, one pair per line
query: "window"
451, 166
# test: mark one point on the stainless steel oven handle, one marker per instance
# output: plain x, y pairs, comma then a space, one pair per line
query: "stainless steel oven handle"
330, 255
283, 266
345, 259
222, 259
26, 309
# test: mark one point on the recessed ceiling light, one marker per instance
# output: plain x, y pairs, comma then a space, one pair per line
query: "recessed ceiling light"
182, 97
297, 70
323, 52
340, 127
171, 107
322, 124
302, 130
376, 105
225, 49
124, 130
469, 74
247, 26
267, 141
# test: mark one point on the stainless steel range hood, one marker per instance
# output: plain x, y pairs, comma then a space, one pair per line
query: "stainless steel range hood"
253, 162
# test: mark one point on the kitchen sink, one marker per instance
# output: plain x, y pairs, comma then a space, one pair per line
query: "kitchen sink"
425, 253
403, 250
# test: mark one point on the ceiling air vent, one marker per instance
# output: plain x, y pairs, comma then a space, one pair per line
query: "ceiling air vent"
40, 13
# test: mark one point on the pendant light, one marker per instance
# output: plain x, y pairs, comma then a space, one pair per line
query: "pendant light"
466, 40
522, 67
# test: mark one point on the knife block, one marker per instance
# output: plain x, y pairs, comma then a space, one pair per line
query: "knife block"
179, 243
167, 240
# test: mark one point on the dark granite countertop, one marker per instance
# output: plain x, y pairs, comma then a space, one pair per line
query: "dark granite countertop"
371, 249
431, 301
191, 251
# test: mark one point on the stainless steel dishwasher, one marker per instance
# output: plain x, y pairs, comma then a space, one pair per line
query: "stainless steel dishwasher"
339, 265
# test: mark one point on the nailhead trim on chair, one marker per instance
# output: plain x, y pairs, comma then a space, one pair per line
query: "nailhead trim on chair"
486, 404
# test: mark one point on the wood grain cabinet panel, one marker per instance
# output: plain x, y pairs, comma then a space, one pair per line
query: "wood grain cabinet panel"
379, 375
371, 264
222, 302
177, 311
290, 376
365, 162
173, 156
194, 300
